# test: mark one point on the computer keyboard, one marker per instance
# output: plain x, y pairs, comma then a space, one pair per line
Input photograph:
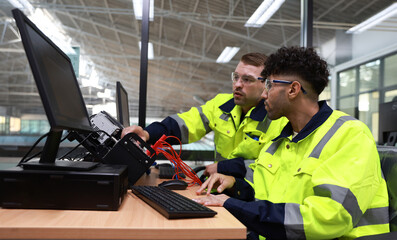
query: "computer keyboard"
171, 204
168, 172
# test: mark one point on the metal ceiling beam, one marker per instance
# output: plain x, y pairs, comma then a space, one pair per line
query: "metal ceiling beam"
108, 61
216, 37
160, 58
221, 30
128, 33
187, 33
196, 17
112, 24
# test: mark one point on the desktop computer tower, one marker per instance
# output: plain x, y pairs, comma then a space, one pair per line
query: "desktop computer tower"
102, 188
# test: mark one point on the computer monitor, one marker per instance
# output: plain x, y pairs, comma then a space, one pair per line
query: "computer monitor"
57, 87
123, 111
388, 123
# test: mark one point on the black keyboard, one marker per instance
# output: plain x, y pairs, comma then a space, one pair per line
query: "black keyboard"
171, 204
168, 172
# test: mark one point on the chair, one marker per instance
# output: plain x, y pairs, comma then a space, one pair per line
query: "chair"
388, 161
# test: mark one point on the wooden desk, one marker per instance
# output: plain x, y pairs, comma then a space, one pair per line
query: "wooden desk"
134, 220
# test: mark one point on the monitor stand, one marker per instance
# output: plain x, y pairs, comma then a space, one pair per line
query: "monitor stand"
48, 157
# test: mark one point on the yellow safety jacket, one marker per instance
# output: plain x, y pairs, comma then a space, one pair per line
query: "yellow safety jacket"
234, 135
325, 183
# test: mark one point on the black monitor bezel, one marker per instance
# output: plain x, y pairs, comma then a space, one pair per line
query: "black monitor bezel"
387, 123
21, 19
119, 104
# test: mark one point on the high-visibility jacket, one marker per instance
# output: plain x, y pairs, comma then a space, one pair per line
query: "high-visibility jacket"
235, 135
325, 183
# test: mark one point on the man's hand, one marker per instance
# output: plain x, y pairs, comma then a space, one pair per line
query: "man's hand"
218, 181
211, 169
138, 130
212, 200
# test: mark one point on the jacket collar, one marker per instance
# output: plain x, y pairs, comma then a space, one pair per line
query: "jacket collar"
317, 120
257, 114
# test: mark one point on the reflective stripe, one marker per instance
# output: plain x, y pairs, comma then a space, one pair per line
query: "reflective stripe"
264, 125
374, 216
338, 123
182, 127
343, 196
293, 222
273, 148
249, 175
339, 194
224, 116
205, 120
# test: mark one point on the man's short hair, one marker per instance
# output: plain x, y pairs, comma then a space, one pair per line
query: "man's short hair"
254, 59
299, 61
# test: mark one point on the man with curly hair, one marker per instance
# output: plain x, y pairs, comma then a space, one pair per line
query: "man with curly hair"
321, 177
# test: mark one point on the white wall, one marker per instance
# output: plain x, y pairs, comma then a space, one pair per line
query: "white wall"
372, 41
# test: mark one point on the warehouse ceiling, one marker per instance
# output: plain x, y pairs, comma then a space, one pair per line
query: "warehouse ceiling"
187, 37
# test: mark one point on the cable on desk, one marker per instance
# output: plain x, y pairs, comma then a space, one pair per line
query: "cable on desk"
161, 146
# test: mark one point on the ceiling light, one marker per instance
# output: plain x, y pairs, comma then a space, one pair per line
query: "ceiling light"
138, 9
227, 54
372, 21
263, 13
150, 54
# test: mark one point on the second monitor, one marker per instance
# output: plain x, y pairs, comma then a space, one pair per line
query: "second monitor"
123, 111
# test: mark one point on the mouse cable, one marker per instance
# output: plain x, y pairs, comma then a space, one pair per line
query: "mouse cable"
163, 147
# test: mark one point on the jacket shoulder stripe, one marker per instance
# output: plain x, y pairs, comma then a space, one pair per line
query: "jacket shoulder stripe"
319, 147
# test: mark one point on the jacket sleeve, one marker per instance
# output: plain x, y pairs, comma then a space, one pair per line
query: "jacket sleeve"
344, 185
168, 127
262, 217
241, 190
233, 167
188, 126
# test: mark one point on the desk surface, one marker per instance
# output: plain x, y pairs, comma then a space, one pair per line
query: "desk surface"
134, 220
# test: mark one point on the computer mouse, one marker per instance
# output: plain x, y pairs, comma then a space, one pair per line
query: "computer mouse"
157, 166
174, 184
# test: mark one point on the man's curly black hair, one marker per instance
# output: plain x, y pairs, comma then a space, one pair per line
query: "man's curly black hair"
299, 61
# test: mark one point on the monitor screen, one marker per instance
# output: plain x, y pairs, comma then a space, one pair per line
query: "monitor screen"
387, 123
56, 83
123, 111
